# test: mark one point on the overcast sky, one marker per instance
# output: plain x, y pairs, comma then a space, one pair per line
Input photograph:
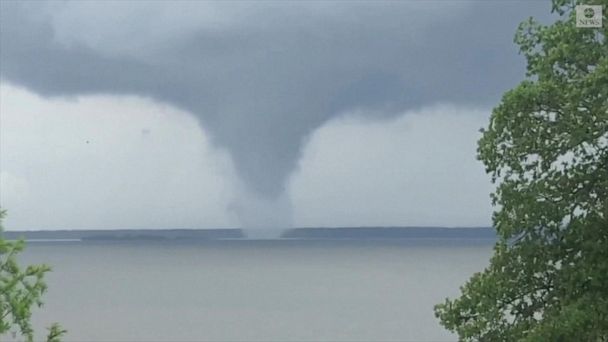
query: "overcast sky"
137, 114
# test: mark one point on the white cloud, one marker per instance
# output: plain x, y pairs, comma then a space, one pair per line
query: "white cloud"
129, 162
418, 169
108, 162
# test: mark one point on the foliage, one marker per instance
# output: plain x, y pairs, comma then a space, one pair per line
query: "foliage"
546, 148
20, 290
55, 333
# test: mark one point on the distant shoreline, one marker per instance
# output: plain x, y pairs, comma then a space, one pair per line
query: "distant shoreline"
321, 233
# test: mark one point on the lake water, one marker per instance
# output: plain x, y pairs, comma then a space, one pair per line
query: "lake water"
253, 290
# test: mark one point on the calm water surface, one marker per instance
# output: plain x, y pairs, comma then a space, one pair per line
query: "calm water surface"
253, 290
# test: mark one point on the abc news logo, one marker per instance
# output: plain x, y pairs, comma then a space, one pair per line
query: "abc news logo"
589, 15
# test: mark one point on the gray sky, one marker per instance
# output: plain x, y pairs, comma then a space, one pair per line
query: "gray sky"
204, 114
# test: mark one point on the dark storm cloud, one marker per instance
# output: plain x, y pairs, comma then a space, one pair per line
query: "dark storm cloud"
262, 83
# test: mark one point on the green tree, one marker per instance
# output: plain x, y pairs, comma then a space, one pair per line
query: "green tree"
546, 148
20, 290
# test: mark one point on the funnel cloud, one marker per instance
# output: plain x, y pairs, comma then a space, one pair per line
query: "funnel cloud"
261, 77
